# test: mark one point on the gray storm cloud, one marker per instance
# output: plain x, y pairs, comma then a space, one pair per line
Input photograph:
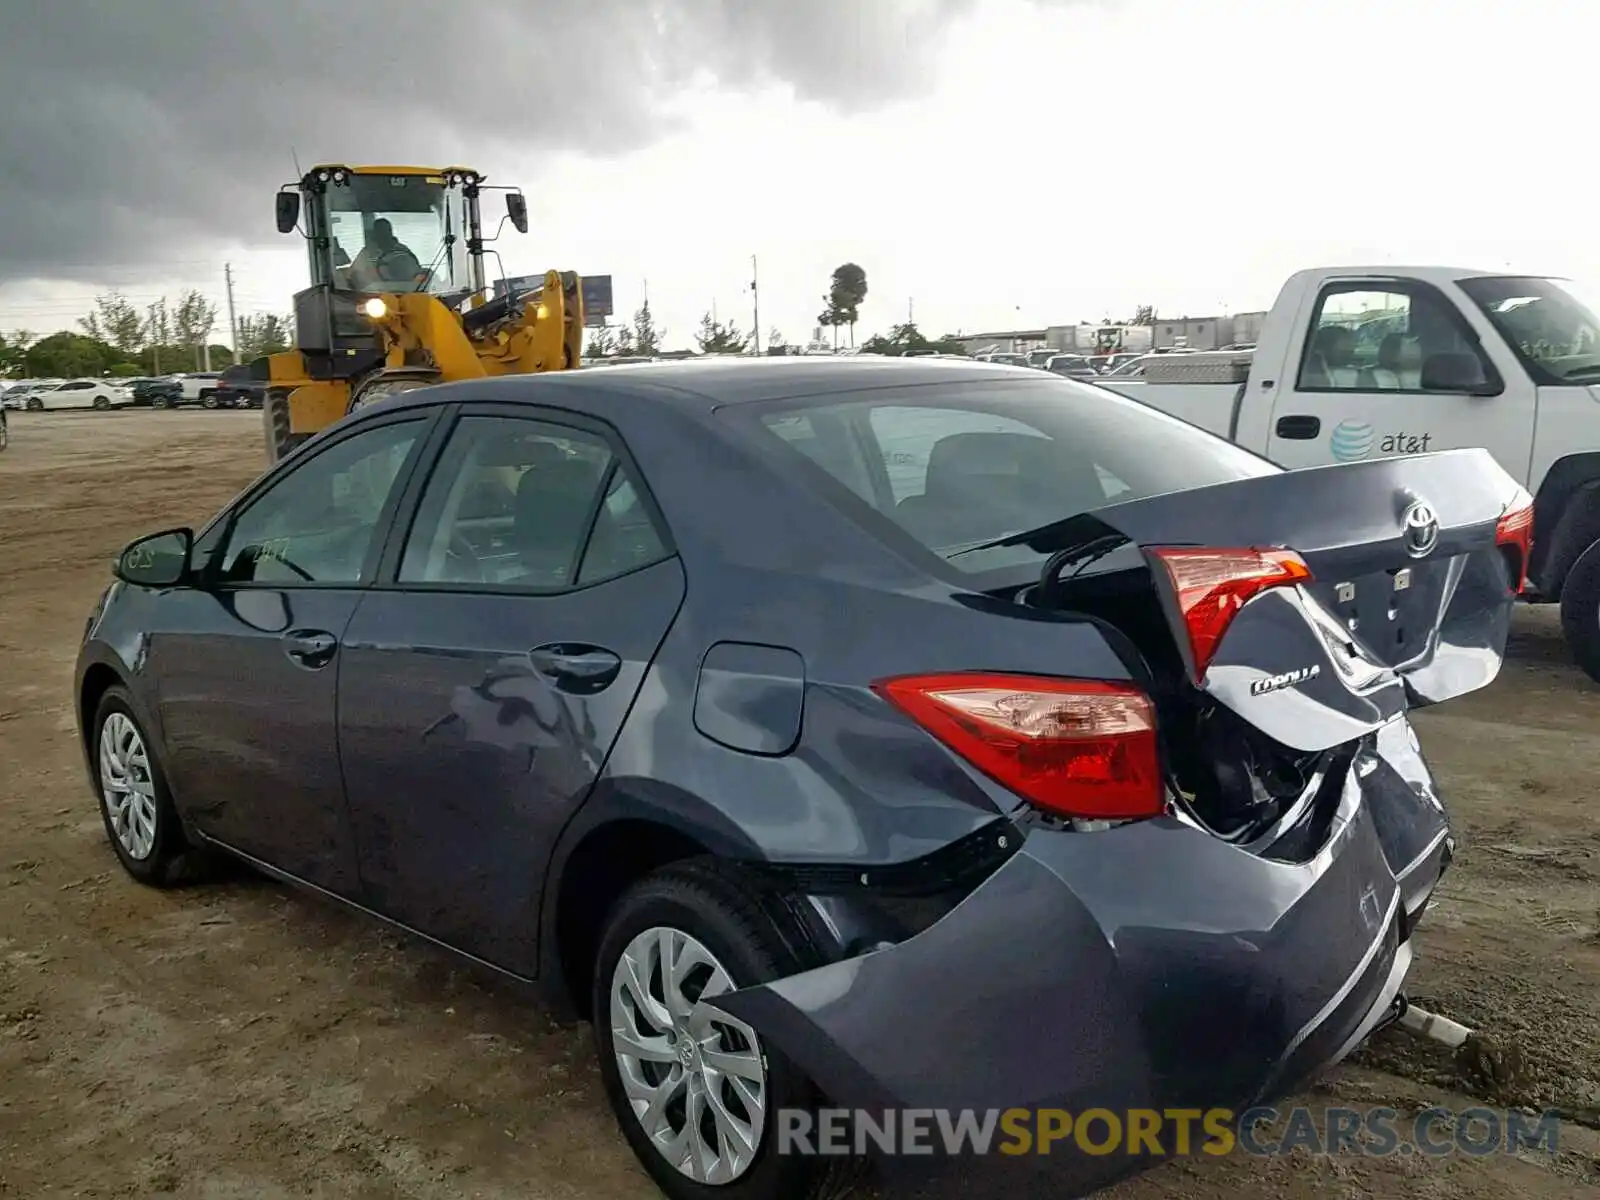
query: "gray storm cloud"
130, 133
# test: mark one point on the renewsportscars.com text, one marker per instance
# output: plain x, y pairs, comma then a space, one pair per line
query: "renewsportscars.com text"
1167, 1133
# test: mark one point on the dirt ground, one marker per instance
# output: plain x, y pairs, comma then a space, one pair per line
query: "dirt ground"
239, 1040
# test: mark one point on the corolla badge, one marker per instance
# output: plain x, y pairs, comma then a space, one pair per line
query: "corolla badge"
1351, 441
1276, 683
1420, 529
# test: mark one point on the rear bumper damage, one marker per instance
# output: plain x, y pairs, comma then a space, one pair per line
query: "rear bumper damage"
1146, 966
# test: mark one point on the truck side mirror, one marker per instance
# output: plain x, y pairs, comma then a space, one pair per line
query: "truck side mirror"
517, 210
288, 211
1456, 373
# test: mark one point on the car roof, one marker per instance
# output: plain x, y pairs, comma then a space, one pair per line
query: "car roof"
707, 384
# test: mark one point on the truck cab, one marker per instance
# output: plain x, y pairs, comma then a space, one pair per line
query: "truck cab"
1372, 362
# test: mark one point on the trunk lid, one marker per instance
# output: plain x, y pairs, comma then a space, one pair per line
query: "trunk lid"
1408, 599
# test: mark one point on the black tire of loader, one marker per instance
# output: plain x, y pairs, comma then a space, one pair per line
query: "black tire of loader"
275, 425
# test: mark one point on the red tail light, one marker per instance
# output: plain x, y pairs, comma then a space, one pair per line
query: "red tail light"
1213, 585
1514, 532
1079, 748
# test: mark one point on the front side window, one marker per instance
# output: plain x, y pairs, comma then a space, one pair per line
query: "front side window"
1367, 338
318, 522
957, 466
523, 503
1546, 322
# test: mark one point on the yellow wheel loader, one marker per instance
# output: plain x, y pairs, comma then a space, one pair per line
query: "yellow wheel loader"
398, 297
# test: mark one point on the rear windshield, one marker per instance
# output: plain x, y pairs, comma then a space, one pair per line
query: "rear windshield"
961, 464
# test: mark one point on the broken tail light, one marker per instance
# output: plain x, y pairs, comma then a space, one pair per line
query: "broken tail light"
1076, 748
1513, 533
1213, 585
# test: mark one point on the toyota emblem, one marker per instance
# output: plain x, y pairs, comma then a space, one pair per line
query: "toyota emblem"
1420, 528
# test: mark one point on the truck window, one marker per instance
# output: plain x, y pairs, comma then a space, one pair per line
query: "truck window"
1546, 323
1371, 339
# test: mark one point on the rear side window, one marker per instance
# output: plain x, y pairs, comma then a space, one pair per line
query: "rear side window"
959, 465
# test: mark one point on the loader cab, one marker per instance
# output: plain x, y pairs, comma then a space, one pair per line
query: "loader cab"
373, 230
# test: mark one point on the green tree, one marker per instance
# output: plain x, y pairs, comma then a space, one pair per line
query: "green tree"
777, 345
193, 319
263, 334
846, 292
906, 338
1144, 314
646, 334
117, 322
602, 342
67, 355
829, 319
715, 337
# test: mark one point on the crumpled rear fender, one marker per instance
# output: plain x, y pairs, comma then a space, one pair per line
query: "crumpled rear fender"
1150, 965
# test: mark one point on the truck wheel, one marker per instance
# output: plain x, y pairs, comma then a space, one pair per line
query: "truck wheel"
1580, 611
275, 424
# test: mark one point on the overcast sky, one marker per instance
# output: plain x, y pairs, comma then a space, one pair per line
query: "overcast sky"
995, 163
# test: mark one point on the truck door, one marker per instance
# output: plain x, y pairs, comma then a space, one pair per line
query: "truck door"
1391, 367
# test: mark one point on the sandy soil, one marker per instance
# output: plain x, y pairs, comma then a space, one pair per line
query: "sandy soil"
239, 1040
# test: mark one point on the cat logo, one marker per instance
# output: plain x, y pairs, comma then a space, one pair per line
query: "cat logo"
1276, 683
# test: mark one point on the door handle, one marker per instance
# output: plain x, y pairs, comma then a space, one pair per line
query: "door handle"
1301, 427
311, 648
576, 666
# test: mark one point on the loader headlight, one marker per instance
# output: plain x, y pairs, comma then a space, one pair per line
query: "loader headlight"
376, 308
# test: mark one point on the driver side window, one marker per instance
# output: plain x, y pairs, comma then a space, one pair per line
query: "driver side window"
318, 522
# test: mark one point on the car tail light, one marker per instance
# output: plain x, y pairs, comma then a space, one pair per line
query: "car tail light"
1077, 748
1514, 532
1213, 585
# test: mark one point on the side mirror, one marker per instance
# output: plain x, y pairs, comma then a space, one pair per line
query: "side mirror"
288, 211
158, 560
517, 210
1456, 373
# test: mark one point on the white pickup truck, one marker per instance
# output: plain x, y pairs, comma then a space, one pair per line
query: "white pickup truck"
1374, 362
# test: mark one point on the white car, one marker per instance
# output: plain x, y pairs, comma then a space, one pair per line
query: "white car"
78, 393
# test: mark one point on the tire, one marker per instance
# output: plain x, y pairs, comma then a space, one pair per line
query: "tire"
5, 432
208, 400
1580, 611
146, 833
101, 404
707, 903
159, 402
35, 405
275, 426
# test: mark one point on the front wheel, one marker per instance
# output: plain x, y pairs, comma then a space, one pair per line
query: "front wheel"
208, 400
102, 403
35, 406
697, 1093
1580, 611
135, 803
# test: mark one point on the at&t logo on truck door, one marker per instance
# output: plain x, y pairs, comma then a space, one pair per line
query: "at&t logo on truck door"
1352, 441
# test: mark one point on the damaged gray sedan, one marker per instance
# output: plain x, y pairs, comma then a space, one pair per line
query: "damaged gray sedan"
866, 734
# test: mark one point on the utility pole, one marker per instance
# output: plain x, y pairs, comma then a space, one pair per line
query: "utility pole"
155, 340
755, 305
233, 323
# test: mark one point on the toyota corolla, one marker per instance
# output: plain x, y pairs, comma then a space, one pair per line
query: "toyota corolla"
883, 734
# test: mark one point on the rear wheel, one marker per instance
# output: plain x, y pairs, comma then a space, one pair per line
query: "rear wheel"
697, 1094
208, 399
275, 425
5, 432
102, 403
1580, 611
159, 402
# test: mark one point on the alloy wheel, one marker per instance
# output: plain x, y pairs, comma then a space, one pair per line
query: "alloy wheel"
127, 787
695, 1079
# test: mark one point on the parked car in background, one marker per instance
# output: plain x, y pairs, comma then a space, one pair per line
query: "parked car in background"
196, 388
146, 388
1071, 366
242, 393
5, 428
16, 396
79, 393
912, 733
